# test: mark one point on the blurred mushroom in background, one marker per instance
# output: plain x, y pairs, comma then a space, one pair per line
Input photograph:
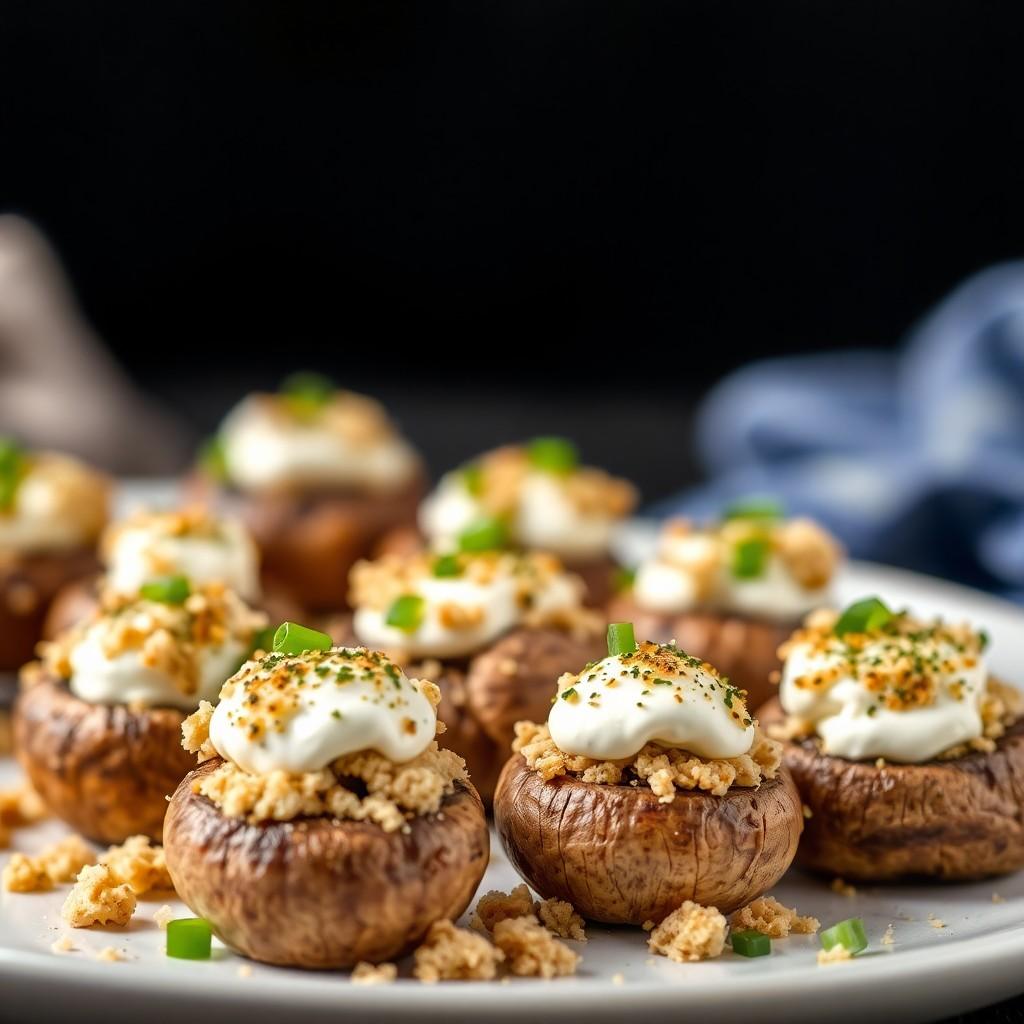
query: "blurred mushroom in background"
59, 387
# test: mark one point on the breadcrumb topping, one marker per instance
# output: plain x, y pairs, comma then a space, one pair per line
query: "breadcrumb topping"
190, 521
455, 954
838, 954
59, 862
97, 899
21, 806
531, 950
768, 916
689, 933
373, 974
664, 769
163, 916
837, 885
23, 874
110, 955
558, 916
139, 865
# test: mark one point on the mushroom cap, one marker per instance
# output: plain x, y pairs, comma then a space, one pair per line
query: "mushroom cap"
106, 770
957, 819
620, 856
321, 893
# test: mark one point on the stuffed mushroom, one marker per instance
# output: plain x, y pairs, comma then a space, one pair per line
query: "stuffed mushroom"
318, 475
536, 497
97, 722
52, 509
907, 753
650, 785
324, 826
494, 628
732, 591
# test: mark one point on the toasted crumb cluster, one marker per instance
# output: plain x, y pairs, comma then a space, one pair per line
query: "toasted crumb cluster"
373, 974
59, 862
98, 899
664, 769
691, 932
139, 865
191, 521
836, 955
195, 732
110, 955
6, 734
21, 806
530, 950
842, 888
1001, 706
163, 917
455, 954
768, 916
558, 916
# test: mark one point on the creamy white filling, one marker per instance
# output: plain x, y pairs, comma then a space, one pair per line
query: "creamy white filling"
841, 714
613, 722
38, 519
99, 678
140, 554
264, 451
332, 718
500, 610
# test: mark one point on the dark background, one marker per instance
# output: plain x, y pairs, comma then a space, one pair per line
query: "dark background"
510, 218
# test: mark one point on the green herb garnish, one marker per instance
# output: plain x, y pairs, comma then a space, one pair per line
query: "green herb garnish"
189, 938
863, 616
568, 694
749, 558
446, 565
12, 469
485, 534
291, 638
305, 393
167, 590
750, 943
552, 455
406, 613
621, 639
849, 933
754, 508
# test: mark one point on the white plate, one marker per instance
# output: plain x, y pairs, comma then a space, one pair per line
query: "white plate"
929, 973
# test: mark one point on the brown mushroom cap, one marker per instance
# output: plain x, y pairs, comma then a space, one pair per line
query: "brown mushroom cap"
319, 893
106, 770
956, 820
620, 856
744, 649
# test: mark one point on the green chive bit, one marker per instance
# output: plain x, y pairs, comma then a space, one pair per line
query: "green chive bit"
552, 454
749, 558
473, 478
307, 393
485, 534
623, 580
167, 590
263, 640
863, 616
406, 613
754, 508
291, 638
750, 943
849, 933
213, 458
189, 938
12, 466
620, 638
446, 565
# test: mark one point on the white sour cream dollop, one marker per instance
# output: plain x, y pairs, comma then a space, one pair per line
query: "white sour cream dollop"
610, 710
265, 447
300, 713
492, 594
905, 695
202, 549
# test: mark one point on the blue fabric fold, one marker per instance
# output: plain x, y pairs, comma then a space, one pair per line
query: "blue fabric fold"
914, 458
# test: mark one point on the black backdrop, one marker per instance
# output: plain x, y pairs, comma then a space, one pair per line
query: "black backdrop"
498, 212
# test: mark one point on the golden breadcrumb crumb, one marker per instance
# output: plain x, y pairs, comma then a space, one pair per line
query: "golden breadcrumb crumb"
24, 874
495, 906
664, 769
5, 837
59, 862
888, 938
163, 916
996, 898
768, 916
837, 885
836, 955
808, 813
560, 918
618, 978
373, 974
245, 971
531, 950
936, 922
62, 945
97, 899
195, 732
21, 806
691, 932
6, 734
138, 864
455, 954
110, 955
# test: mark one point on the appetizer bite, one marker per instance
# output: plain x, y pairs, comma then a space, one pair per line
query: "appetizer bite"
324, 826
97, 724
906, 751
538, 497
494, 628
52, 509
650, 785
318, 475
732, 591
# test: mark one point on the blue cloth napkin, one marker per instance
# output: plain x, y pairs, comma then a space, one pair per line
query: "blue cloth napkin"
913, 458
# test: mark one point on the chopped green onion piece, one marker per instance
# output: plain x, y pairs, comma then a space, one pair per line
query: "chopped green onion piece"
213, 458
863, 616
754, 508
263, 640
406, 613
750, 943
167, 590
446, 565
983, 638
473, 478
568, 694
484, 534
291, 638
749, 557
623, 580
307, 393
620, 638
552, 454
849, 933
12, 465
188, 938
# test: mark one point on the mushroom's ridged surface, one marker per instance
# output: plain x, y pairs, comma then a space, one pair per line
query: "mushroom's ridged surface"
957, 819
319, 893
106, 770
620, 856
